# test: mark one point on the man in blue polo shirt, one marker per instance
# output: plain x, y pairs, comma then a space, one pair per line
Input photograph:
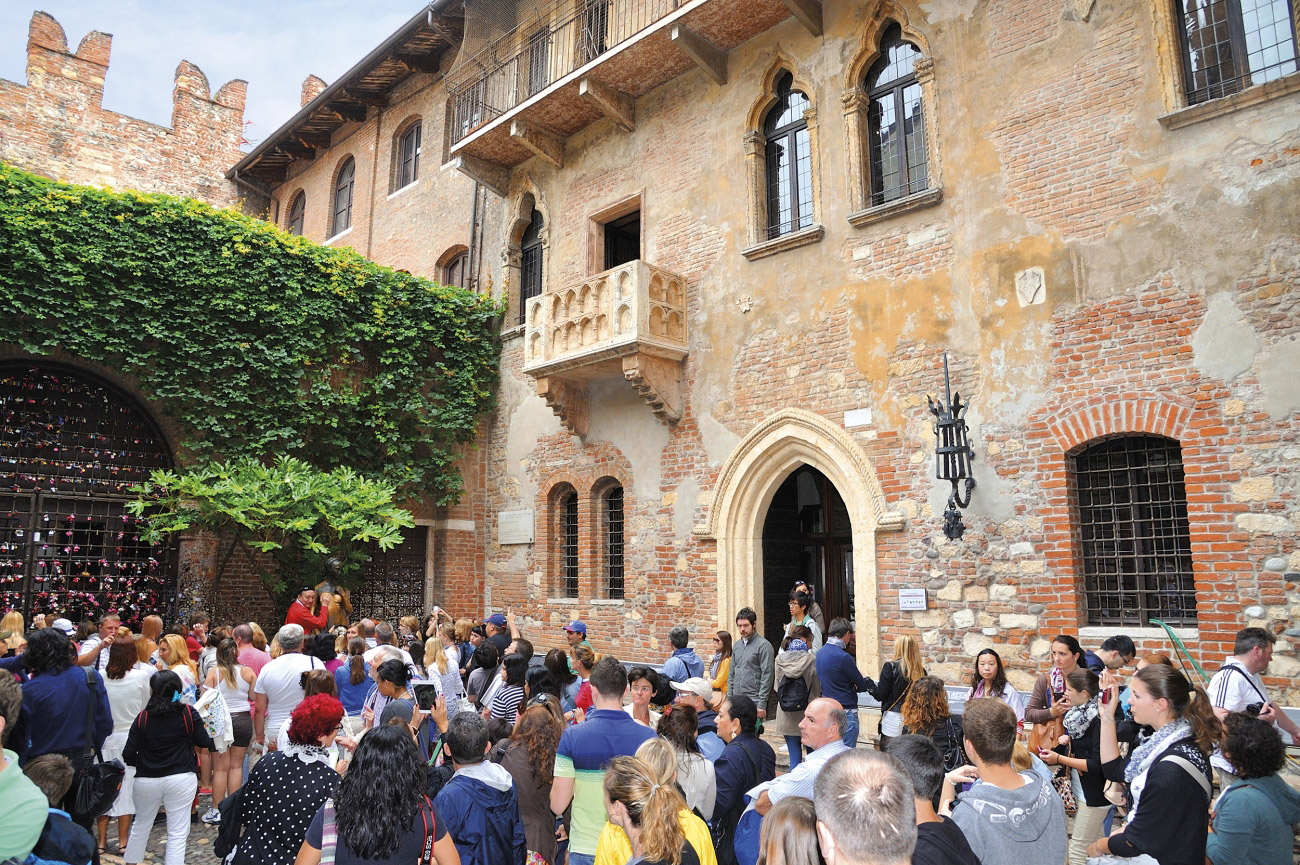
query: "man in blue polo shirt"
585, 751
839, 676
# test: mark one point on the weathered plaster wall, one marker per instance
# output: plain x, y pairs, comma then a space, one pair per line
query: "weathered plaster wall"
1171, 263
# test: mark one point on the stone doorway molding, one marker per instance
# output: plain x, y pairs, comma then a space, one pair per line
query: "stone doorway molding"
748, 481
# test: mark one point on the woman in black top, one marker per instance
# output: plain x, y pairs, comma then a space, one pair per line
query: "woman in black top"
160, 745
1168, 773
1083, 735
286, 788
896, 679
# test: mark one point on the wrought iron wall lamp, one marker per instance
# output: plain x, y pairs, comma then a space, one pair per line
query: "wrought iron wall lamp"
952, 454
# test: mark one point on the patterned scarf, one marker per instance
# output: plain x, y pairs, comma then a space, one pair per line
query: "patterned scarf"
1079, 718
1146, 753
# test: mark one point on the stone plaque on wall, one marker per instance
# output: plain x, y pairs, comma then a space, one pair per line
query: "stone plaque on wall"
515, 527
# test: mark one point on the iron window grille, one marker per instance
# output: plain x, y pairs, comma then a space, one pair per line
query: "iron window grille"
530, 264
298, 213
455, 271
470, 109
896, 121
409, 171
595, 29
1133, 533
789, 161
1229, 45
569, 544
614, 543
343, 197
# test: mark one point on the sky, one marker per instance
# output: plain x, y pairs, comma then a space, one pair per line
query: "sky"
271, 44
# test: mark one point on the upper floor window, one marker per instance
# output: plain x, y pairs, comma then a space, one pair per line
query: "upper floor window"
789, 161
1134, 538
614, 542
297, 213
896, 124
539, 60
455, 271
1229, 45
569, 544
594, 29
467, 109
343, 197
409, 156
530, 263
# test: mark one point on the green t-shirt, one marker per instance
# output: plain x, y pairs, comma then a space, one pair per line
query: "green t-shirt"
25, 810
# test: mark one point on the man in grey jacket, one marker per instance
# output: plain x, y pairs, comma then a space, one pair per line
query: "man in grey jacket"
753, 662
1009, 817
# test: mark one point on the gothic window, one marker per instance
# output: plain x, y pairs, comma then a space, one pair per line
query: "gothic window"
1134, 539
297, 213
409, 156
789, 162
343, 197
896, 126
530, 263
613, 506
1229, 45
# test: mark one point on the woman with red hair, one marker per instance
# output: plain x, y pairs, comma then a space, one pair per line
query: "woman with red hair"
287, 787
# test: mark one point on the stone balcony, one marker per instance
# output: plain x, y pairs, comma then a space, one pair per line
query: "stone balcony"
628, 322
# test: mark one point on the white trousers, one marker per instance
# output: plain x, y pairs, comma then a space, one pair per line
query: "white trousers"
175, 793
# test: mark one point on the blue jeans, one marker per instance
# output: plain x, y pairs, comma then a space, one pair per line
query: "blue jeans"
794, 744
582, 858
851, 728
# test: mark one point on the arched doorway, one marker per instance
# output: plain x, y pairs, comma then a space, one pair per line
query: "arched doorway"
71, 447
807, 535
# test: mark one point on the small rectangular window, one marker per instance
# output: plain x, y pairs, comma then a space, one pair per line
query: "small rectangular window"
623, 240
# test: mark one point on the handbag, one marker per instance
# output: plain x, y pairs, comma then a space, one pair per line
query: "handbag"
1065, 789
1047, 735
95, 786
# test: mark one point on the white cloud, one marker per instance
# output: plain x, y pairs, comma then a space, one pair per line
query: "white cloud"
271, 45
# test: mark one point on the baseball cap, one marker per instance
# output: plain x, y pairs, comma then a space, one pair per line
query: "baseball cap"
696, 685
495, 619
63, 625
577, 626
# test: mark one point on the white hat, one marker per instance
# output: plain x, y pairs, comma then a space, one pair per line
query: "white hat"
63, 625
696, 685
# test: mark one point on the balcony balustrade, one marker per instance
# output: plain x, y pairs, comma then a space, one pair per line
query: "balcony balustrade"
628, 322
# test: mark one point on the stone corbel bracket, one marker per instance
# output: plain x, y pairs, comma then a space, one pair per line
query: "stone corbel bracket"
568, 399
659, 381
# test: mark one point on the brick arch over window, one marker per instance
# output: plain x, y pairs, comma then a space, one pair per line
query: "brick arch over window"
405, 166
755, 145
610, 503
453, 264
855, 103
748, 481
342, 195
565, 533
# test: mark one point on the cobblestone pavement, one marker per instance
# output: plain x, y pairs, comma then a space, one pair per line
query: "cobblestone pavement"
198, 851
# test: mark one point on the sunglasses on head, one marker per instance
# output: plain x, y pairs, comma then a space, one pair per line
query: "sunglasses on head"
538, 700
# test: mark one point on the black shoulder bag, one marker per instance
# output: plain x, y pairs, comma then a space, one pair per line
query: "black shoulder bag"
96, 784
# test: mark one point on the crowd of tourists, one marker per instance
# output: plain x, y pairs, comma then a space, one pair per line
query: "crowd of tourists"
445, 740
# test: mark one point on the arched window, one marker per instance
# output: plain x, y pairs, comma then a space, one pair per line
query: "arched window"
408, 151
568, 544
343, 197
789, 162
454, 271
613, 506
1135, 544
297, 213
896, 123
530, 263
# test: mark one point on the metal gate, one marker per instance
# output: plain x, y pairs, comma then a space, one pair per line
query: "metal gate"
71, 446
393, 585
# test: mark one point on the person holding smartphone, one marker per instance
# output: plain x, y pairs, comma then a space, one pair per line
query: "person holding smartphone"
1047, 702
1083, 736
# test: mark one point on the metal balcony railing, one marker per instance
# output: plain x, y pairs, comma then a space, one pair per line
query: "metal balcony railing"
541, 52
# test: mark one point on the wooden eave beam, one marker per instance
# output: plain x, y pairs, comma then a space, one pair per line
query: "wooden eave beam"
318, 142
538, 141
615, 105
495, 177
709, 57
348, 111
378, 100
808, 13
294, 150
418, 62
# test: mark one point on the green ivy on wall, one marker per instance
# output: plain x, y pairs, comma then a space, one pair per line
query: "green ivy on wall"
259, 343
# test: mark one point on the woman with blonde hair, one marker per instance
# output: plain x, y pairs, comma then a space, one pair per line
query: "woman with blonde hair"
660, 758
142, 648
789, 834
896, 679
174, 655
440, 667
13, 624
259, 636
151, 627
235, 682
648, 810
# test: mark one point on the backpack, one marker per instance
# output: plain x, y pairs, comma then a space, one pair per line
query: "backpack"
792, 694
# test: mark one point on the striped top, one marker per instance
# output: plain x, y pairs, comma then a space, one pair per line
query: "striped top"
584, 751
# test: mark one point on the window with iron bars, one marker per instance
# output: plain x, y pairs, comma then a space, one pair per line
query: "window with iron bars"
1134, 540
569, 545
1229, 45
614, 543
896, 121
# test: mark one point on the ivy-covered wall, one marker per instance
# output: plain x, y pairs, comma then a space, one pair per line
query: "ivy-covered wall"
255, 342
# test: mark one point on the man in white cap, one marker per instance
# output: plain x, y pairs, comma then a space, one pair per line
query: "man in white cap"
696, 693
65, 626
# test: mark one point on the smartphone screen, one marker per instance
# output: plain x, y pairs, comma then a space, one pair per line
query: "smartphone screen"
426, 694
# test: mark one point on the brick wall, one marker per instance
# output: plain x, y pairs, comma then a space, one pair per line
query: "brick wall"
55, 125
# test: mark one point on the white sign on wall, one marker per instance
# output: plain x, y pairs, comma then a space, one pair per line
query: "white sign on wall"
515, 527
911, 599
